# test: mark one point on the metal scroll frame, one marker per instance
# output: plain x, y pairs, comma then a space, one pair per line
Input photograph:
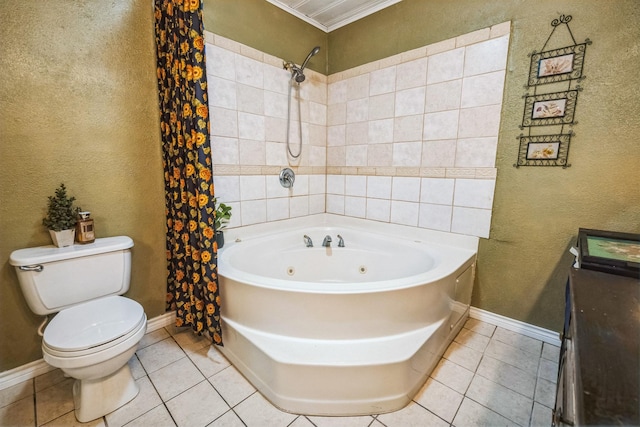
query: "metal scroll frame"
555, 108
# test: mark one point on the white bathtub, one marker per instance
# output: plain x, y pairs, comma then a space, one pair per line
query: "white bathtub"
342, 330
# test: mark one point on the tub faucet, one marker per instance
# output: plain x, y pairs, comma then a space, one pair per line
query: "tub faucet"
327, 241
308, 241
340, 241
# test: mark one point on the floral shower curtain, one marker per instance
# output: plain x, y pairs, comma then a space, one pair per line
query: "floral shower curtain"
192, 282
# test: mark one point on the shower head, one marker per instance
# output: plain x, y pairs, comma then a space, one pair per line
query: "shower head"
297, 73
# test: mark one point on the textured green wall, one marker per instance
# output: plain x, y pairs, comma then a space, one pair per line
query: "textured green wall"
263, 26
537, 211
79, 106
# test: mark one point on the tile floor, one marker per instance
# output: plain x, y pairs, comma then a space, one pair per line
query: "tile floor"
488, 376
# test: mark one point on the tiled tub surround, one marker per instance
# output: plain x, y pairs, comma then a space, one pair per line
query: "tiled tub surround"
409, 139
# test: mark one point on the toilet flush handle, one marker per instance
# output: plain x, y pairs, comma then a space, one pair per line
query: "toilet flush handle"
36, 267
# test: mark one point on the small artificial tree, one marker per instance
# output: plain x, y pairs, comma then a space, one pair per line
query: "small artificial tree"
61, 215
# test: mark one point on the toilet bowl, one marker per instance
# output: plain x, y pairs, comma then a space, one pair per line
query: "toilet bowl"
96, 330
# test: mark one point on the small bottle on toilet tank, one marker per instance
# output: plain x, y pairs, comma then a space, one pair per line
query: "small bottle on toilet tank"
85, 233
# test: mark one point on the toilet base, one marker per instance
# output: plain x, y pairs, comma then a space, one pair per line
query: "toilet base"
96, 398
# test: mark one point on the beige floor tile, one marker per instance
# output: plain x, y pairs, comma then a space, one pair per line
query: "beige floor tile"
19, 413
550, 352
159, 354
464, 356
157, 417
513, 356
301, 422
198, 406
411, 415
209, 360
189, 340
541, 416
362, 421
152, 338
175, 378
479, 327
232, 386
16, 392
519, 341
256, 411
146, 400
54, 401
453, 376
228, 419
439, 399
137, 371
500, 399
545, 392
472, 339
69, 420
50, 378
548, 370
473, 414
507, 375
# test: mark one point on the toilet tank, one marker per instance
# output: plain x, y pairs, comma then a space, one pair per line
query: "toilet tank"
54, 278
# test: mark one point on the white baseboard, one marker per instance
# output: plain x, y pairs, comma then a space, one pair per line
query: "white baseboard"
544, 335
38, 367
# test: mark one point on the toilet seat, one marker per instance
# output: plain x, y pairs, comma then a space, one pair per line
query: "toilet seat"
93, 326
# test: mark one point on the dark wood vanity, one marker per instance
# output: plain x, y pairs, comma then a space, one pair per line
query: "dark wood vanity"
599, 372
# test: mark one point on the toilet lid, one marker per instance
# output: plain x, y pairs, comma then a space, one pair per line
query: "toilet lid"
93, 323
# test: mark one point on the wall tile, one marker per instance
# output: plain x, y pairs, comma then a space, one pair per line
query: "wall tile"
358, 87
252, 187
443, 96
378, 210
356, 185
275, 153
405, 213
411, 74
299, 206
253, 211
407, 153
316, 203
251, 126
250, 99
220, 62
275, 104
379, 187
358, 110
337, 114
474, 193
252, 152
227, 188
440, 125
335, 204
225, 151
446, 66
435, 217
221, 92
380, 131
382, 81
439, 154
337, 92
336, 135
476, 152
437, 191
249, 72
380, 154
483, 89
410, 101
277, 209
357, 133
408, 128
471, 221
355, 206
479, 122
356, 155
276, 79
224, 122
486, 57
335, 184
405, 189
381, 106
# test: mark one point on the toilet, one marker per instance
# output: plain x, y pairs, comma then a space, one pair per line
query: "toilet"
96, 330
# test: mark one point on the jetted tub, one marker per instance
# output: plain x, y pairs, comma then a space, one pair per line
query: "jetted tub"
341, 330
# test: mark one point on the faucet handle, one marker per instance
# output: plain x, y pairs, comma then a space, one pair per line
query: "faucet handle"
308, 241
340, 241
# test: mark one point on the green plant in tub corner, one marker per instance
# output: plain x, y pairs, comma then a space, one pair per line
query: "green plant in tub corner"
222, 214
61, 215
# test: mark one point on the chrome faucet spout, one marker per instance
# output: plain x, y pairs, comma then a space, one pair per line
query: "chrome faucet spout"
327, 241
308, 241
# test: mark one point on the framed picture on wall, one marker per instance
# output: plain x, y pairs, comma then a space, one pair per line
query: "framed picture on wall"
544, 150
609, 251
550, 109
557, 65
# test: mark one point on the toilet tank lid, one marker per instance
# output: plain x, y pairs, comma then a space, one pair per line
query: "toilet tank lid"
44, 254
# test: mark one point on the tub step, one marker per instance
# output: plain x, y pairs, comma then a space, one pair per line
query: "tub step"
314, 352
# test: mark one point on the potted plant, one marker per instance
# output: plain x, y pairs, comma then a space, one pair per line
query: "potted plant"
222, 217
61, 218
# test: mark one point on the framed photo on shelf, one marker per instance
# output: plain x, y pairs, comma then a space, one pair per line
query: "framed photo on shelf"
609, 251
557, 65
556, 108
